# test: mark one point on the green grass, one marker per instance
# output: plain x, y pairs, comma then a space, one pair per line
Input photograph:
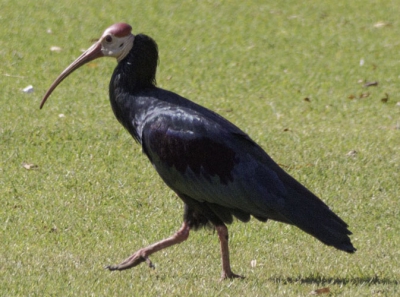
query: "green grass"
94, 198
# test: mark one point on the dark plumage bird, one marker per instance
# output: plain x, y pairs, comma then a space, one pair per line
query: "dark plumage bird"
214, 167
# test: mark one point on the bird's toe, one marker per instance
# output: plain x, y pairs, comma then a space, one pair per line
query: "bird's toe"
230, 275
111, 267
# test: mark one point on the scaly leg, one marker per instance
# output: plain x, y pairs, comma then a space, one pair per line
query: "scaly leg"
143, 254
226, 266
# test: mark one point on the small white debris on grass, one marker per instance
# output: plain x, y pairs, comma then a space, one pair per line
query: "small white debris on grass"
61, 115
362, 62
29, 166
49, 31
253, 263
352, 153
28, 89
381, 24
55, 49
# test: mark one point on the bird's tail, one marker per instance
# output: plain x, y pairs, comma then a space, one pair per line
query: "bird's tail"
309, 213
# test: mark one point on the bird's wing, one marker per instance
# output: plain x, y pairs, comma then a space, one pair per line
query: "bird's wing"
213, 163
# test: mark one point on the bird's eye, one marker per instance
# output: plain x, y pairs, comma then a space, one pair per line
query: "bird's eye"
121, 45
108, 38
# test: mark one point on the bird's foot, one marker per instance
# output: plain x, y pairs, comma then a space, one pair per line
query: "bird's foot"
139, 257
143, 254
230, 275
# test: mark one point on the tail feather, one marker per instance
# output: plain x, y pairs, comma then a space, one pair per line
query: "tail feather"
310, 214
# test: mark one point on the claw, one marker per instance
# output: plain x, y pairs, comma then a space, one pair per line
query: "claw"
151, 265
111, 267
132, 261
230, 275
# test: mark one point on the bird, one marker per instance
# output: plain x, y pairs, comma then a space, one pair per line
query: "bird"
215, 168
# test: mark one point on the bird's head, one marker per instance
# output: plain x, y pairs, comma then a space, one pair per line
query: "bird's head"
116, 41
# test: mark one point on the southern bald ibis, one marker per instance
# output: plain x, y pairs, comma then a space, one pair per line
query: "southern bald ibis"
214, 167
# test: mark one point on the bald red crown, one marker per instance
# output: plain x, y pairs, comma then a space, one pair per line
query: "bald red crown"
119, 29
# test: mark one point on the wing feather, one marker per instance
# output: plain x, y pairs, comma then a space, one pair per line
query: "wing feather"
206, 162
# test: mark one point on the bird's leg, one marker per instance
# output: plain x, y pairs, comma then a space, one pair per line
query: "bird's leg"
143, 254
226, 265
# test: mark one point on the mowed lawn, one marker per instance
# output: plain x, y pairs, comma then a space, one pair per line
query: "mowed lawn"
315, 83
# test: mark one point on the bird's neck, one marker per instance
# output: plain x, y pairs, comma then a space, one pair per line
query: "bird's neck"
127, 105
127, 94
132, 78
137, 71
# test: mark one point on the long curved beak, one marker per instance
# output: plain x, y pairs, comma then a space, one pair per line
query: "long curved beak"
90, 54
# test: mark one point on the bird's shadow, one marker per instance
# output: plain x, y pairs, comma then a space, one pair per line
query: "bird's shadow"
315, 279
